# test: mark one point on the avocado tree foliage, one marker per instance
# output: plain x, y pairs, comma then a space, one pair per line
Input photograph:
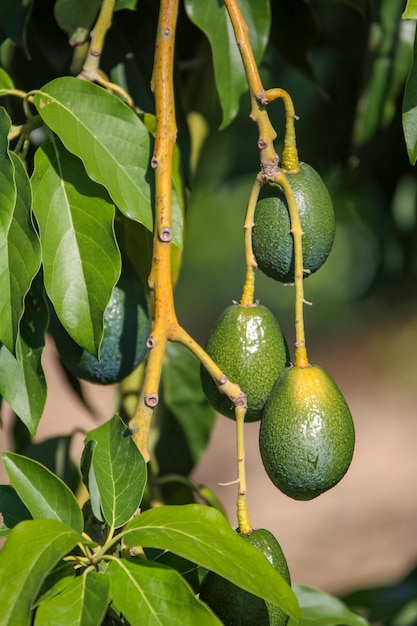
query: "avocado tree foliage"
100, 146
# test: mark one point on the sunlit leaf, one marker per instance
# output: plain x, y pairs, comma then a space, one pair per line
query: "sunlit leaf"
410, 11
80, 256
410, 110
321, 609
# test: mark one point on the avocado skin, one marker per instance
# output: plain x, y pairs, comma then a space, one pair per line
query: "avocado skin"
271, 237
237, 607
307, 435
127, 325
249, 347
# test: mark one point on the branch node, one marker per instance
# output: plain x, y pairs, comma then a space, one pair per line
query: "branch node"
165, 234
150, 342
154, 162
151, 400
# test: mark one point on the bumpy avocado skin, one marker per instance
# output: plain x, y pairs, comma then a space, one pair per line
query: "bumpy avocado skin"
249, 347
307, 435
271, 237
127, 325
236, 607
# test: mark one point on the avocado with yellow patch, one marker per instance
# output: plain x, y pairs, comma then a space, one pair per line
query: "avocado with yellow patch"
307, 436
272, 240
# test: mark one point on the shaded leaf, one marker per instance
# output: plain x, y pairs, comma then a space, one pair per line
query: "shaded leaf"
55, 454
184, 418
212, 19
119, 470
321, 609
125, 4
147, 593
76, 17
83, 602
44, 494
22, 381
6, 81
79, 252
410, 110
19, 244
56, 581
107, 135
11, 507
202, 535
31, 551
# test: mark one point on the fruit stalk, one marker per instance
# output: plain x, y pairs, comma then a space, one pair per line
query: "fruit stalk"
98, 34
249, 284
300, 357
244, 523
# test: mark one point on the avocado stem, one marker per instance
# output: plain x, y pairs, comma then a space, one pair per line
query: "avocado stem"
249, 284
289, 160
244, 523
300, 356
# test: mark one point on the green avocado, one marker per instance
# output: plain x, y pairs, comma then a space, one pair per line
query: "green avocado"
248, 345
127, 326
237, 607
307, 436
272, 241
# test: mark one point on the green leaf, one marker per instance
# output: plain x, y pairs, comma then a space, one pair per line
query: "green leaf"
76, 17
6, 81
410, 110
44, 494
82, 603
184, 417
32, 550
321, 609
125, 4
107, 135
119, 471
410, 11
80, 256
147, 593
212, 19
19, 244
11, 507
202, 535
22, 381
56, 581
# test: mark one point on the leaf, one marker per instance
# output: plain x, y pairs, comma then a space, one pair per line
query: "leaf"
19, 244
125, 4
107, 135
44, 494
82, 603
212, 19
184, 418
6, 81
410, 110
32, 550
55, 454
22, 381
76, 17
147, 593
80, 256
11, 507
410, 11
202, 535
321, 609
56, 581
119, 471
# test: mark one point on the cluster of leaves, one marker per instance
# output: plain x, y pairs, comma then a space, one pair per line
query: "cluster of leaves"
77, 192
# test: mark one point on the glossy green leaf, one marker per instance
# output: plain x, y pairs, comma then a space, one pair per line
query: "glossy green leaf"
22, 381
202, 535
321, 609
147, 593
82, 603
31, 551
410, 110
44, 494
11, 507
119, 471
184, 416
107, 135
80, 256
410, 11
212, 19
19, 244
56, 581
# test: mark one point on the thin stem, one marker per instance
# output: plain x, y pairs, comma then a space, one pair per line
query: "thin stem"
244, 523
249, 285
91, 66
300, 359
289, 157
